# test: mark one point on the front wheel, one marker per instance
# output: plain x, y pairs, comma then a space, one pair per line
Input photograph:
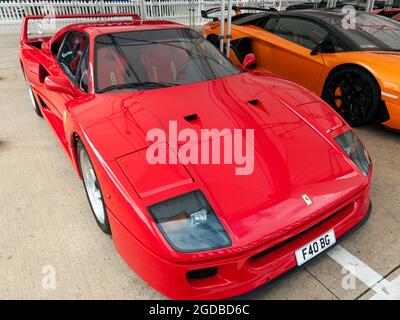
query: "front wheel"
354, 94
92, 188
33, 100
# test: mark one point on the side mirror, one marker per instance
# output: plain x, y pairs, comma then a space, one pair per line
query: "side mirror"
315, 51
249, 61
327, 46
58, 84
317, 44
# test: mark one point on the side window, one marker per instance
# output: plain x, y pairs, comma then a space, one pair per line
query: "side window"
82, 75
302, 32
55, 47
271, 24
71, 52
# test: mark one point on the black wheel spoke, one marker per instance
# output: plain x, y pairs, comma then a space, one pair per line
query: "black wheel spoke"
349, 78
353, 113
343, 88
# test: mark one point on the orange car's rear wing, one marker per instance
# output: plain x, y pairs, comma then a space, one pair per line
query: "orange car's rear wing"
238, 10
24, 31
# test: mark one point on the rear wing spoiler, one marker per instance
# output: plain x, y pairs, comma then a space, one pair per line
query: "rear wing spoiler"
205, 13
25, 23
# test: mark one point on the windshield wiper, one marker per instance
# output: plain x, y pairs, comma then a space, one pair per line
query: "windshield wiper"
137, 85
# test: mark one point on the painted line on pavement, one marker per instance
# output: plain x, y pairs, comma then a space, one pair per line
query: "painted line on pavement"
384, 289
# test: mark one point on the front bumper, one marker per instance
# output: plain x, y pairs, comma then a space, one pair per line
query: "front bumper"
236, 274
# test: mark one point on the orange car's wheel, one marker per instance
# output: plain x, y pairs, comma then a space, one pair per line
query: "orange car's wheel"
354, 93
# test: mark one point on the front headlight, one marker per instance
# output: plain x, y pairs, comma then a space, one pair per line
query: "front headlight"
355, 150
189, 224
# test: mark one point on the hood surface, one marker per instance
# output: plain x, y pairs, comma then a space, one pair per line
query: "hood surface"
291, 158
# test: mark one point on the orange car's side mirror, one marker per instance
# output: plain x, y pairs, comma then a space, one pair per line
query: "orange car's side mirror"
58, 84
249, 62
315, 50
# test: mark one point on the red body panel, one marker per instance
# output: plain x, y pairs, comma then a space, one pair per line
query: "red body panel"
390, 13
295, 153
239, 273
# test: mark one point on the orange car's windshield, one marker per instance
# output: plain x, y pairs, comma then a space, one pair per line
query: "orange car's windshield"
152, 59
371, 32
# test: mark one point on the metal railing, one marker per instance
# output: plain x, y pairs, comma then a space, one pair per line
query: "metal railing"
181, 11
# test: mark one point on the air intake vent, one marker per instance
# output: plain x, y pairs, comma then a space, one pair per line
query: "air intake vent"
201, 273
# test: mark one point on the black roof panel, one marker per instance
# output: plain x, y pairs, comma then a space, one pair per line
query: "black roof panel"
308, 13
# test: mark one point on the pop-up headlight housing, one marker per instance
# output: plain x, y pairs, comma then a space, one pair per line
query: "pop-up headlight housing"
189, 224
350, 144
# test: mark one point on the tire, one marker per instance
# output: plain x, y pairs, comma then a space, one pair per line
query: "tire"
354, 94
92, 188
33, 99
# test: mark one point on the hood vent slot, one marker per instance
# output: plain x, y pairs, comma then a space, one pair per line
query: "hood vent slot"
191, 117
253, 102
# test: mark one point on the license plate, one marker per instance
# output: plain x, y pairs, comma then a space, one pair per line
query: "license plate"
315, 247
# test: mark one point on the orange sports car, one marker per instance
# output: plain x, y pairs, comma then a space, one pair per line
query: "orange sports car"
352, 63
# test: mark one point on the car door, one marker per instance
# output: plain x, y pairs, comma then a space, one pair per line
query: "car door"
286, 50
71, 56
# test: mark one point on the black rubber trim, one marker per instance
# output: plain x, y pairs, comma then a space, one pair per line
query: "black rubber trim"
262, 288
393, 130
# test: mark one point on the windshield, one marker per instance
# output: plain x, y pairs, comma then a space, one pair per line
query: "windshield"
150, 59
372, 32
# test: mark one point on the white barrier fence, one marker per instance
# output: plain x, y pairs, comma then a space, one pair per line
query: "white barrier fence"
181, 11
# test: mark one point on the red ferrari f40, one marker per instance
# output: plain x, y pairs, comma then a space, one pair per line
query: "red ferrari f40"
139, 105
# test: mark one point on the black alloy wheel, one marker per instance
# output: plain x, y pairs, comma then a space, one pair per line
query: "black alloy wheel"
354, 94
